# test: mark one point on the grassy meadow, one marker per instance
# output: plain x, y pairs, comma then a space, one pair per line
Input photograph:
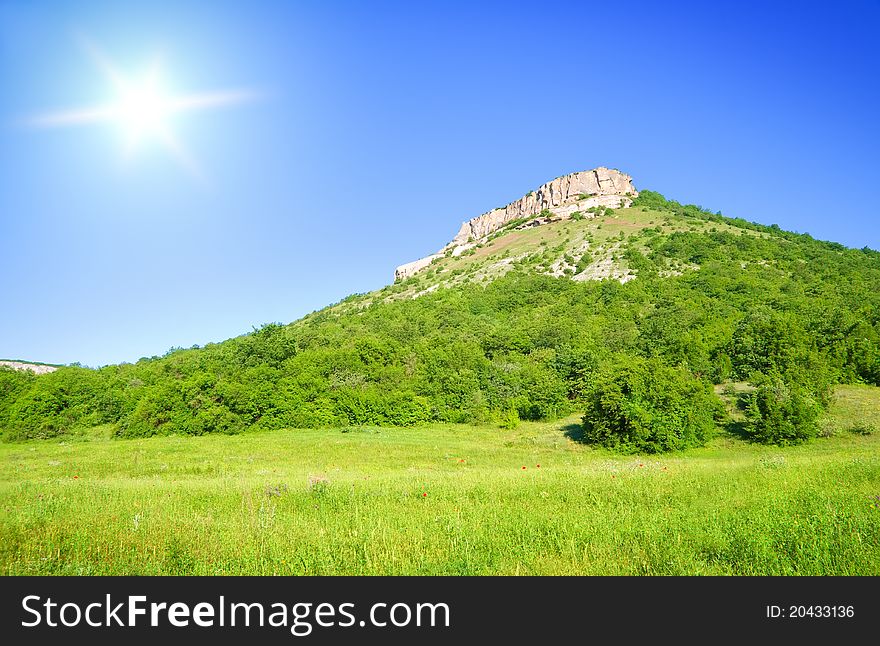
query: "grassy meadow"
443, 499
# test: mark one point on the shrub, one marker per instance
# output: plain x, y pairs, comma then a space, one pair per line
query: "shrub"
544, 393
509, 419
782, 412
643, 405
584, 262
862, 428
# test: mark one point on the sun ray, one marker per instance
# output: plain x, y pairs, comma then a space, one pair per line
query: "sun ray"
210, 100
102, 62
74, 116
182, 155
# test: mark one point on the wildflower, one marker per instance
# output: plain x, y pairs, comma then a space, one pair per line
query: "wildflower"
641, 465
425, 495
77, 477
524, 466
537, 466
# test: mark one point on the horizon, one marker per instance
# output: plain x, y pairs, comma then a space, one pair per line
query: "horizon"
372, 133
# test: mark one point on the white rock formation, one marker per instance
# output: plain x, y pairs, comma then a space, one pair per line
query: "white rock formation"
561, 197
410, 268
38, 368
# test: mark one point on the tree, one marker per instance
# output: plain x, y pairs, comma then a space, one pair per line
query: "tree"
639, 405
782, 412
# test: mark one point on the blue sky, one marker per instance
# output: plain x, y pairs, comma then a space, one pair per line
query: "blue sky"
377, 128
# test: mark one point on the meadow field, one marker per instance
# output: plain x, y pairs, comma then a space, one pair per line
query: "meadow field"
443, 499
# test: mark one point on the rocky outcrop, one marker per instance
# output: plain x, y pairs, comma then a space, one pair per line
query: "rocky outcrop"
598, 187
38, 368
560, 197
410, 268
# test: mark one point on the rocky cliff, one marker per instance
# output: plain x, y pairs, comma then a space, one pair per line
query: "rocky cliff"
556, 199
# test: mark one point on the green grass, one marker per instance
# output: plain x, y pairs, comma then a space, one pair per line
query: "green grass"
857, 407
333, 502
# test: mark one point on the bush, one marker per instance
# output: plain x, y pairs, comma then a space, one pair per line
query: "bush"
639, 405
781, 412
862, 428
585, 261
509, 419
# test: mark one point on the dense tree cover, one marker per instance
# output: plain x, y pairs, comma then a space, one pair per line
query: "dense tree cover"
789, 313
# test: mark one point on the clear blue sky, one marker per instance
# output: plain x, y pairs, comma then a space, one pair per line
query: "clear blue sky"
379, 127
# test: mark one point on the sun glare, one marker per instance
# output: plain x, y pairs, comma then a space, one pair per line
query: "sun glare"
142, 108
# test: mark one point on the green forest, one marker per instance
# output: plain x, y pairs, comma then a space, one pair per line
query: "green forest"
790, 315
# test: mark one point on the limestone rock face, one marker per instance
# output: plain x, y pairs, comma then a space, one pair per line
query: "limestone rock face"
561, 196
410, 268
38, 368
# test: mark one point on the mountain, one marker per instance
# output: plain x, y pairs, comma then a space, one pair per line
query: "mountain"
634, 309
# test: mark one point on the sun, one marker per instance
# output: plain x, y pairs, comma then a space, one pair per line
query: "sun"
142, 108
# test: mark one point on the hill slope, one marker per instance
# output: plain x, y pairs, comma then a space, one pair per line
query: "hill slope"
521, 325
